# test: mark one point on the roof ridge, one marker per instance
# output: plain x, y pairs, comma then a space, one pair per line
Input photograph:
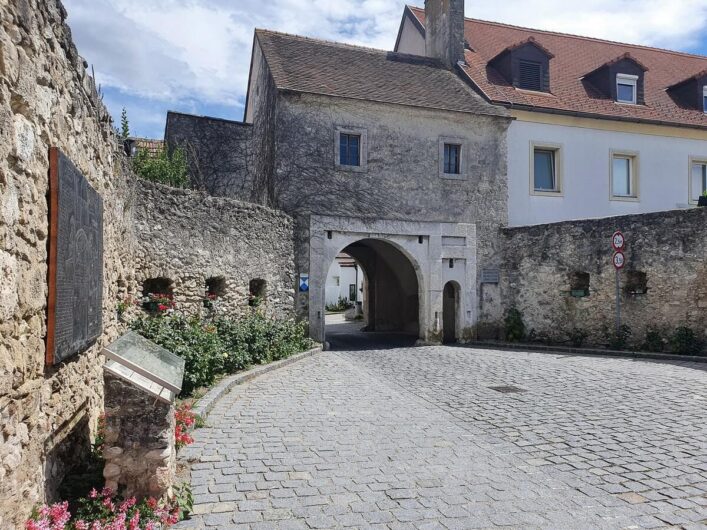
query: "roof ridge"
326, 41
576, 36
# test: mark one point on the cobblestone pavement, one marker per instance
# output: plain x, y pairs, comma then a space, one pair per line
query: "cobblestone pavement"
416, 438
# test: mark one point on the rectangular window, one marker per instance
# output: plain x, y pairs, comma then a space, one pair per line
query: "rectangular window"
530, 75
626, 88
623, 176
352, 292
452, 159
545, 170
698, 179
704, 99
349, 149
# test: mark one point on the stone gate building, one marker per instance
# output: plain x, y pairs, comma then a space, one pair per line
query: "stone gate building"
389, 157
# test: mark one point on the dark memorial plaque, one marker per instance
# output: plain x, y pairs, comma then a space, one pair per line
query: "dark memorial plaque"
74, 318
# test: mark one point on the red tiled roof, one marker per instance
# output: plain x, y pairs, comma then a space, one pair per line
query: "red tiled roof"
574, 58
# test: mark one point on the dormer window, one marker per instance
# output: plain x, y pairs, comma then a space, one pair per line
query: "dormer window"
626, 88
525, 65
530, 75
620, 80
691, 93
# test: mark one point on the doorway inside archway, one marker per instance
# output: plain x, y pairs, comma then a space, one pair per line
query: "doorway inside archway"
379, 287
450, 312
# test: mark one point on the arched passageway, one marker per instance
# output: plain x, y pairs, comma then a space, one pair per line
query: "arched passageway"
389, 297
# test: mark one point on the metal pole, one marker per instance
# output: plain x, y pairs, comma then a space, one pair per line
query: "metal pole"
618, 302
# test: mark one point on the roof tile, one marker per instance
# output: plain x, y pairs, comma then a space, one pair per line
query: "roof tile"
574, 58
315, 66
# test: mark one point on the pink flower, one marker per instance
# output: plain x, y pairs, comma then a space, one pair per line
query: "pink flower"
135, 521
92, 494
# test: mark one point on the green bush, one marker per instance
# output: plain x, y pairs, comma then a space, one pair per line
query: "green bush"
514, 326
685, 341
342, 304
619, 339
655, 340
577, 336
165, 167
223, 346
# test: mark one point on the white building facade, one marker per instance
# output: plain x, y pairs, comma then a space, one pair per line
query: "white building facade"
344, 281
666, 168
601, 128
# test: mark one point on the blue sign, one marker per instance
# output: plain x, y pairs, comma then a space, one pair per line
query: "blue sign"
303, 283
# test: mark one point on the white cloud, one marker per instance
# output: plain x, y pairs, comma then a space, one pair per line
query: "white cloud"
180, 50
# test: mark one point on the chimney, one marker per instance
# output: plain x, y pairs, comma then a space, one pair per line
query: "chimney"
444, 30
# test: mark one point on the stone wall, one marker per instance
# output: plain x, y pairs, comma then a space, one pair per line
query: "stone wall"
219, 152
669, 247
48, 99
188, 237
139, 441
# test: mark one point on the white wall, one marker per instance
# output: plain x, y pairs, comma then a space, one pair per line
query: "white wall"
411, 40
663, 167
346, 276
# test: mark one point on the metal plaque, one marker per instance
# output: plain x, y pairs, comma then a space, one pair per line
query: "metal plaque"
490, 275
75, 261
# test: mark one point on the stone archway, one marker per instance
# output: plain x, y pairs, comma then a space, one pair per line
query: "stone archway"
437, 252
391, 299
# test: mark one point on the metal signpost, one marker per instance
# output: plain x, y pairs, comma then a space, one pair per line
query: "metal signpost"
618, 243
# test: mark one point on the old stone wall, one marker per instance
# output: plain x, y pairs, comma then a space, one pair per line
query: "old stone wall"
139, 449
670, 248
219, 153
189, 237
48, 99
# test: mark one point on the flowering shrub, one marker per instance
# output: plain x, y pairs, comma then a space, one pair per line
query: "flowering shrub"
160, 303
185, 423
104, 511
209, 300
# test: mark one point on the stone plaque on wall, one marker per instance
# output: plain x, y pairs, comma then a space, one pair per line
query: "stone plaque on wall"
74, 318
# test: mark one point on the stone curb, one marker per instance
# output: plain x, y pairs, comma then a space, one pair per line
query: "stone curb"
591, 352
205, 404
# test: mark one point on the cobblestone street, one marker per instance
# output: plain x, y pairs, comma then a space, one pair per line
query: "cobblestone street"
418, 438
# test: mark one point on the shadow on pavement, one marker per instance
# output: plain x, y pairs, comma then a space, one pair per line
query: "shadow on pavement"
348, 336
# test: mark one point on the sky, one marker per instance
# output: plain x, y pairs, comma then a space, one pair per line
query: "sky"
193, 56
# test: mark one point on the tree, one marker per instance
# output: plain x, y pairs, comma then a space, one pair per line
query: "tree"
124, 125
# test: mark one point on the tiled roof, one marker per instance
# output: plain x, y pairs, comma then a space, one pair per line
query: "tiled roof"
574, 58
153, 147
315, 66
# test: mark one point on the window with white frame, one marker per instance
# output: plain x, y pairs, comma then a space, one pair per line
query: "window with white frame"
626, 88
545, 173
698, 179
623, 176
704, 99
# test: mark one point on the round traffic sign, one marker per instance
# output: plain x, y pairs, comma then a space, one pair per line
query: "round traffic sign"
618, 241
619, 260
